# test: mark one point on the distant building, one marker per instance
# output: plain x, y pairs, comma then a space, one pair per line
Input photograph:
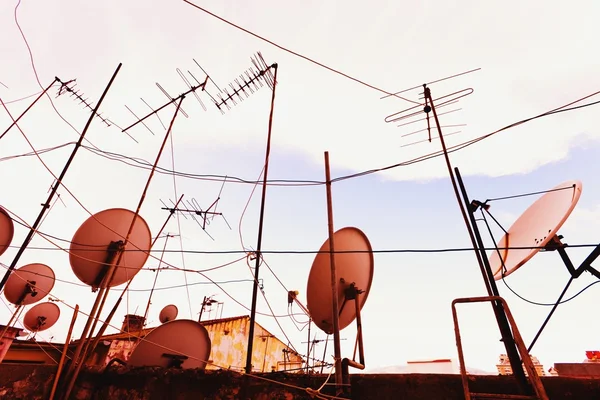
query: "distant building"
504, 367
229, 341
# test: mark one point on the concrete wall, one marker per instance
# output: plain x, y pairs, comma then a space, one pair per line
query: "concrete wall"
34, 382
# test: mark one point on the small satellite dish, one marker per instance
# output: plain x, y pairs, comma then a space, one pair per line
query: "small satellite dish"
535, 228
90, 245
29, 284
41, 317
182, 343
7, 230
168, 313
353, 267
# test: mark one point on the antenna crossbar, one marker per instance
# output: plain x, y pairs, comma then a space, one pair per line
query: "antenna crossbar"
172, 101
69, 87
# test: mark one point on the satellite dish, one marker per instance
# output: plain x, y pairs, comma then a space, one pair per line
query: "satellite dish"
41, 317
182, 343
168, 313
7, 230
535, 228
351, 268
89, 247
29, 284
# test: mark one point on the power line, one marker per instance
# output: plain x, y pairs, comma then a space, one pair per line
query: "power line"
299, 55
289, 252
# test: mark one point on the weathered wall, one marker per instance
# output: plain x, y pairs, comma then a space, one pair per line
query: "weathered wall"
229, 342
582, 370
34, 382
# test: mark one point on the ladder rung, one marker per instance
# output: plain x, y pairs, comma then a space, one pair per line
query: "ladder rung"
503, 396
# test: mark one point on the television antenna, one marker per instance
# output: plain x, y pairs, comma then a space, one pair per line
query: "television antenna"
41, 317
70, 88
246, 84
191, 87
517, 358
168, 313
187, 342
535, 230
47, 204
27, 285
7, 230
341, 275
193, 209
255, 78
114, 234
413, 115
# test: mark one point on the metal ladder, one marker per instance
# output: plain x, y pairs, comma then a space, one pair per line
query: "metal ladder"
534, 379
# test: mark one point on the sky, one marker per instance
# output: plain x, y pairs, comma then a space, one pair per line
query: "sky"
532, 58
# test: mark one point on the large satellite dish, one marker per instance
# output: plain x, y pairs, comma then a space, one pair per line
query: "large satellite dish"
534, 228
7, 230
90, 246
41, 317
182, 343
168, 313
29, 284
354, 265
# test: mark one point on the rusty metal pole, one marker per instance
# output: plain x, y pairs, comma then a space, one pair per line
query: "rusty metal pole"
64, 352
334, 285
260, 231
28, 108
58, 182
481, 258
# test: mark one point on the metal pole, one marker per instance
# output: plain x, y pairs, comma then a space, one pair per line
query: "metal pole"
334, 285
116, 306
202, 308
64, 353
308, 347
28, 108
260, 230
58, 182
454, 186
537, 335
113, 268
481, 259
501, 319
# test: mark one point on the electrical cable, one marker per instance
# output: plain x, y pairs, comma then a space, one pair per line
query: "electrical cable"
22, 98
529, 194
37, 78
468, 143
280, 182
178, 219
300, 55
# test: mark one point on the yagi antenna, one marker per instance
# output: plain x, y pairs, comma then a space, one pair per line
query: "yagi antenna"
70, 87
194, 210
246, 84
191, 87
411, 115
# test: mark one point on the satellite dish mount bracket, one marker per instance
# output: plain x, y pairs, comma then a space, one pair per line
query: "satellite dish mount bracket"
351, 292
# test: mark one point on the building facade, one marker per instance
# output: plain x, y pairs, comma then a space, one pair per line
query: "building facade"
229, 342
504, 367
